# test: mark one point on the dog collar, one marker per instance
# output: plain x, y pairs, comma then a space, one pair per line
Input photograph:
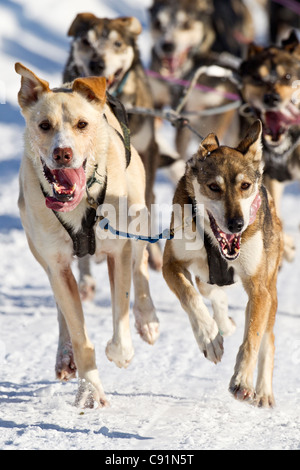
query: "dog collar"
254, 208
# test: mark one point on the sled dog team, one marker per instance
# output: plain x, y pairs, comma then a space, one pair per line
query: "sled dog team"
84, 153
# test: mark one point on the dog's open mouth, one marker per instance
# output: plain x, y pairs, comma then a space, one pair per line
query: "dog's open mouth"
113, 79
68, 185
171, 64
278, 122
229, 244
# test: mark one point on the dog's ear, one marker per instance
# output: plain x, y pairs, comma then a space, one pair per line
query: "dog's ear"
252, 144
132, 24
32, 87
209, 144
291, 44
82, 22
254, 49
204, 6
93, 88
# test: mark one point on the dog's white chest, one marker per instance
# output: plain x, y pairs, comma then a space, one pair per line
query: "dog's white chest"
250, 256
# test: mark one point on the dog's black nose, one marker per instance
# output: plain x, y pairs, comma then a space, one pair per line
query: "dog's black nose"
168, 47
97, 66
271, 99
63, 155
235, 224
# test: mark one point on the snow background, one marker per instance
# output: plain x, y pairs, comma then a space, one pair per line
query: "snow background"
170, 397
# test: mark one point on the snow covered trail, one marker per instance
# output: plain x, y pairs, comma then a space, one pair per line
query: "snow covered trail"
170, 397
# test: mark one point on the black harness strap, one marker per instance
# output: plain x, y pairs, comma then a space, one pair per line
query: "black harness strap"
218, 268
219, 273
121, 114
84, 241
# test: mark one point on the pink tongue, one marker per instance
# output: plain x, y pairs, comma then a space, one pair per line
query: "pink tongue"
274, 122
69, 176
171, 62
66, 178
277, 121
229, 237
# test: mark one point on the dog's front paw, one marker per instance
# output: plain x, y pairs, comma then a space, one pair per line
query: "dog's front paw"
242, 393
211, 344
155, 257
264, 400
241, 388
65, 367
119, 354
147, 325
90, 392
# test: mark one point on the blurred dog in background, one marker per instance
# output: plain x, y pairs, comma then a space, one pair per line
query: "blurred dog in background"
270, 89
193, 35
108, 47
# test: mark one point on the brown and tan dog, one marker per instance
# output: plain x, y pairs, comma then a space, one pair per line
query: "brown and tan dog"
187, 30
237, 235
74, 160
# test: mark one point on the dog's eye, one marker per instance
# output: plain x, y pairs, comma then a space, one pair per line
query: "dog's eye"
214, 187
45, 126
245, 186
81, 124
186, 24
117, 44
85, 42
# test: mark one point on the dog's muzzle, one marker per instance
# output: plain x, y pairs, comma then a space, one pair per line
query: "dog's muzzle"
230, 243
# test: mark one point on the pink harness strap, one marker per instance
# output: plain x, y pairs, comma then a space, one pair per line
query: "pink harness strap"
254, 208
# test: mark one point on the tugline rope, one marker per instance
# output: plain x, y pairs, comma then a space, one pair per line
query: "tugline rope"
167, 234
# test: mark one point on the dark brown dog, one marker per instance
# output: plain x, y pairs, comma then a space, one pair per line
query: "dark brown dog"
238, 235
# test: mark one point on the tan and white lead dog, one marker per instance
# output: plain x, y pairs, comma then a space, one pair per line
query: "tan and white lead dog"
240, 237
74, 157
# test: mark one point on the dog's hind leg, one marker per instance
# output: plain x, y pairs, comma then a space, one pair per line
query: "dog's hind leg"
119, 349
219, 301
87, 284
65, 366
146, 321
